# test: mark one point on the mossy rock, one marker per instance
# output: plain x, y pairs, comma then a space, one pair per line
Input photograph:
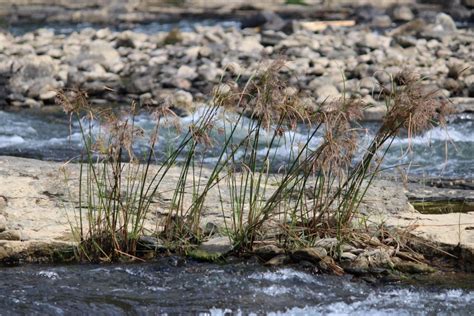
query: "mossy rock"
202, 255
443, 207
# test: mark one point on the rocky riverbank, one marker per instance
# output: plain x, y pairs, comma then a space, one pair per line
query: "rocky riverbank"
37, 220
354, 58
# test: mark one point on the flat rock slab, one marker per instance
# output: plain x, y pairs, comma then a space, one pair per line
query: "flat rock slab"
36, 208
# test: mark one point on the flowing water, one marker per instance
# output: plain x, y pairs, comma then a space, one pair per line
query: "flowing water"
439, 152
209, 289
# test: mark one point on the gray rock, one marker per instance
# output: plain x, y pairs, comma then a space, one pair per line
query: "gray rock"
402, 14
278, 260
314, 254
382, 21
216, 246
186, 72
469, 82
326, 93
348, 256
183, 99
445, 23
267, 252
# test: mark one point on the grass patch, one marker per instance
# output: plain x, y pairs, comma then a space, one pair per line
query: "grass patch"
312, 192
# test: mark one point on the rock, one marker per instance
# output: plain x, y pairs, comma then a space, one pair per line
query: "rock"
151, 243
445, 23
314, 254
250, 45
3, 223
402, 14
468, 3
326, 93
278, 260
413, 267
35, 76
218, 245
142, 84
10, 235
96, 52
50, 95
213, 249
374, 113
329, 244
469, 82
328, 265
374, 41
267, 20
382, 21
186, 72
183, 99
348, 256
210, 72
267, 252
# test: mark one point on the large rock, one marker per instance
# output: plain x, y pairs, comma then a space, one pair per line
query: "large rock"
35, 76
96, 52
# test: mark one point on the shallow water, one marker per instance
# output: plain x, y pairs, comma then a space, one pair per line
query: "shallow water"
63, 28
210, 289
439, 152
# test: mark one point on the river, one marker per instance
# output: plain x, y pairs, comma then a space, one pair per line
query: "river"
165, 287
439, 152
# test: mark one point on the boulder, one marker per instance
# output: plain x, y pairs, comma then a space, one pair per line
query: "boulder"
35, 76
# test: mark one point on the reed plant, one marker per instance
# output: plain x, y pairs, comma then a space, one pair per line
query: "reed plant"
312, 192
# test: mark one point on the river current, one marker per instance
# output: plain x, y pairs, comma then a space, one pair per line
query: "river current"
164, 288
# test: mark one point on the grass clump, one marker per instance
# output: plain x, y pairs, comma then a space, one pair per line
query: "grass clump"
311, 192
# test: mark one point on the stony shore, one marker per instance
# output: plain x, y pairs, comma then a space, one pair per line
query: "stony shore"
360, 58
36, 218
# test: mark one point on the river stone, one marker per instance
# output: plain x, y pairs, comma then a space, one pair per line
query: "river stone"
217, 246
413, 267
348, 256
326, 93
186, 72
266, 252
402, 14
328, 265
278, 260
469, 81
445, 23
314, 254
10, 235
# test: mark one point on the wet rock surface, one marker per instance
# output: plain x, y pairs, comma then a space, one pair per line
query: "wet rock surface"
37, 213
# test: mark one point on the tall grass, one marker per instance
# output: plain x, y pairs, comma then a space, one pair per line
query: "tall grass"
314, 192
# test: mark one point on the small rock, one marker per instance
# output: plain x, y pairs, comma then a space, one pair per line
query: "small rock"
3, 223
327, 93
328, 265
151, 243
48, 95
469, 81
412, 267
445, 23
183, 99
10, 235
267, 252
348, 256
217, 245
278, 260
382, 21
402, 14
186, 72
314, 254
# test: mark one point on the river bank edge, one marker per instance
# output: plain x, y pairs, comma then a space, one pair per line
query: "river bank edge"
35, 229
